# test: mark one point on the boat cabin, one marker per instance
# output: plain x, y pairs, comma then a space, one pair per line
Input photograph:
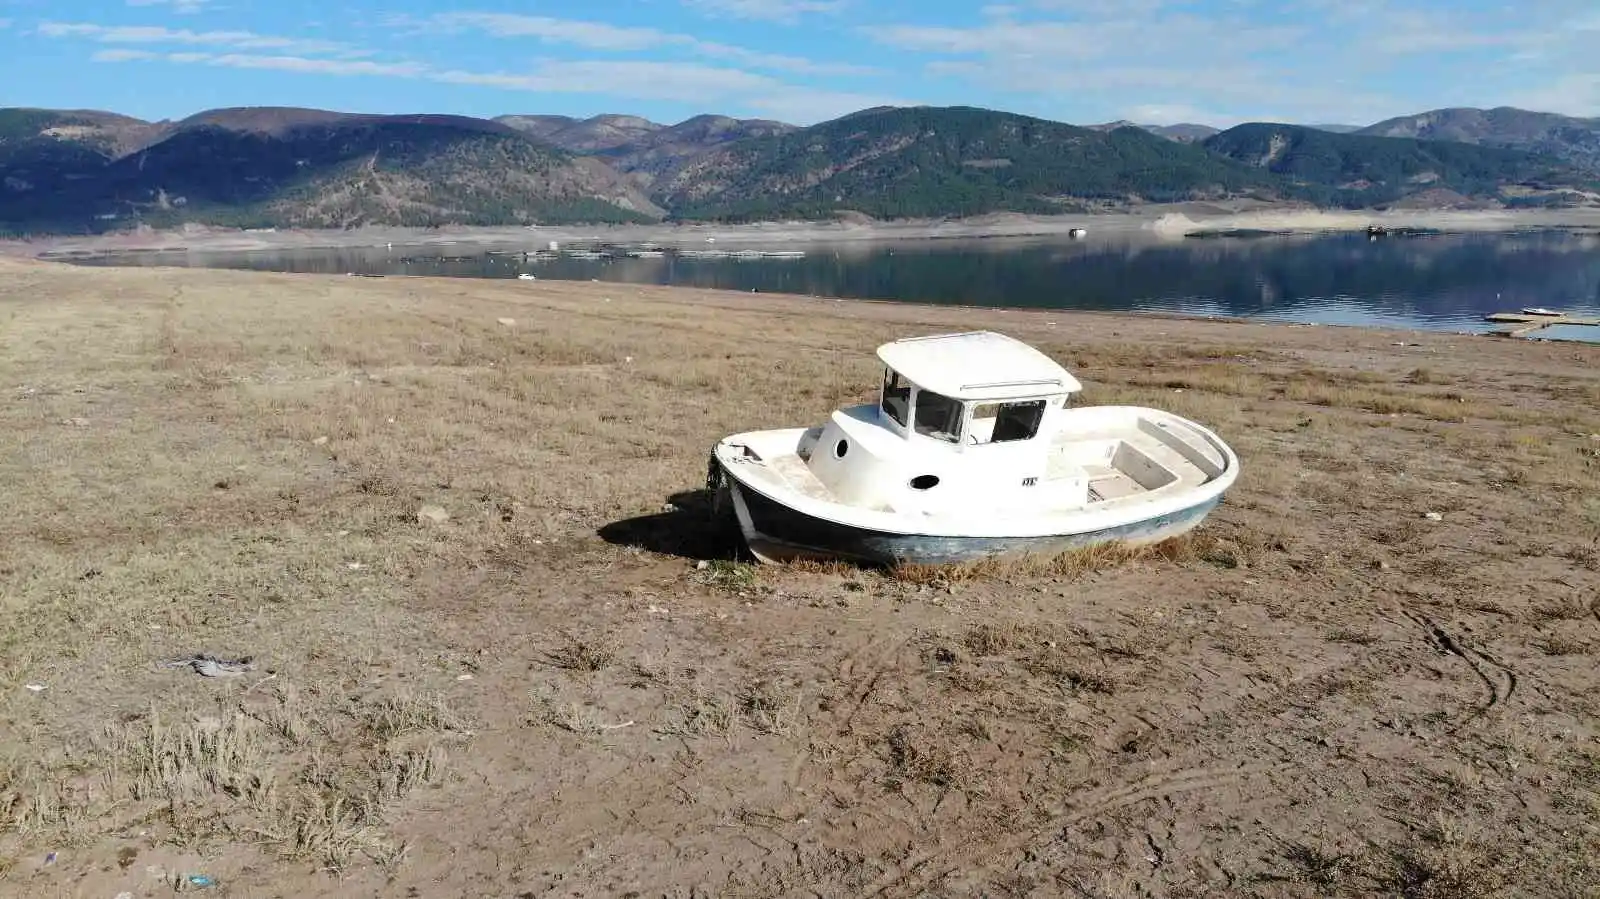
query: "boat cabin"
967, 418
969, 389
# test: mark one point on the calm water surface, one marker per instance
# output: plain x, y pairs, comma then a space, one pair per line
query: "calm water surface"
1441, 282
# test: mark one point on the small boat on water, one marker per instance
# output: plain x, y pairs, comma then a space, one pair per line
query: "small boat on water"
1540, 310
974, 449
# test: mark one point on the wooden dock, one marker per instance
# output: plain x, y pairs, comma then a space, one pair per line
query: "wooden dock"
1521, 324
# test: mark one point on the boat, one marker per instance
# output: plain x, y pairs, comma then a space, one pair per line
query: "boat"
1540, 310
974, 449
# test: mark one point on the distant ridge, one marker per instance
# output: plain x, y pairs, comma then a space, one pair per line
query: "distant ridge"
1359, 170
1574, 140
88, 170
294, 167
1183, 132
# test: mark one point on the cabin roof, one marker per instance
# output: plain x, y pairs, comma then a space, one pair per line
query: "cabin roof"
977, 365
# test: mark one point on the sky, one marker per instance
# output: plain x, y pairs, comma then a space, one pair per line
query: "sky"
1216, 62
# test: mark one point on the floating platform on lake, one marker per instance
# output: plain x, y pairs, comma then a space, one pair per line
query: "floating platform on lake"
1521, 324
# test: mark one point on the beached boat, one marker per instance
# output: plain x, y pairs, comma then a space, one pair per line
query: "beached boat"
974, 449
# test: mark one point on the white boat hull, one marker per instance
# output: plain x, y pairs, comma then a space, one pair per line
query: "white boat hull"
779, 519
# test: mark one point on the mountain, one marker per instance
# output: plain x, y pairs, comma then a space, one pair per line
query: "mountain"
639, 147
266, 166
106, 133
1571, 139
1183, 132
1362, 170
46, 154
85, 170
591, 135
663, 152
943, 161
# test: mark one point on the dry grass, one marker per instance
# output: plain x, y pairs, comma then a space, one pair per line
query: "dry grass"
234, 463
1070, 564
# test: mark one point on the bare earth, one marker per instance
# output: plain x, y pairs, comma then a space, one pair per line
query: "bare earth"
1170, 221
1325, 691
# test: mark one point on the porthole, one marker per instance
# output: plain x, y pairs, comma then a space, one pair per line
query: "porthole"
840, 448
924, 482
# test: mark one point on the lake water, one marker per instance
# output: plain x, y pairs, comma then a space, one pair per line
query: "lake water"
1427, 281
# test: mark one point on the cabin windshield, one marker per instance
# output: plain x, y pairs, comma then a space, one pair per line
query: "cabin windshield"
1006, 422
938, 416
896, 402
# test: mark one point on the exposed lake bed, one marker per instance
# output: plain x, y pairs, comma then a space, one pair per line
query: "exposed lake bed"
456, 523
1414, 273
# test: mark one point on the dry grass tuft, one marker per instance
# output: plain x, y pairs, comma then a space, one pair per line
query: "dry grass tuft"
1447, 858
207, 775
734, 576
1071, 564
705, 713
583, 653
915, 756
167, 763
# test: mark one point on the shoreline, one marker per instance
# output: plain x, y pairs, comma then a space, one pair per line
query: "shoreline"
1395, 330
1167, 222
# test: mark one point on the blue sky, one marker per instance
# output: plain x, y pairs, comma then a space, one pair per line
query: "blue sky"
1083, 61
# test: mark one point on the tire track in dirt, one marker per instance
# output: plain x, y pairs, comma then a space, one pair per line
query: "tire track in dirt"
976, 850
864, 684
1500, 687
918, 872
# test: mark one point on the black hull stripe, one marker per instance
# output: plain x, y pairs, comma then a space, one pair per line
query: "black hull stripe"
784, 527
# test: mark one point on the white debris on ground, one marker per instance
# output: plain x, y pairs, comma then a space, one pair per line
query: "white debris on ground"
207, 665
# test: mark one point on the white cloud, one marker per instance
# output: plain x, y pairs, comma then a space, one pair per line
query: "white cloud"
613, 38
1574, 94
1109, 8
590, 35
241, 40
1078, 40
680, 82
123, 55
778, 62
1147, 58
305, 65
641, 80
177, 6
768, 10
1406, 32
717, 86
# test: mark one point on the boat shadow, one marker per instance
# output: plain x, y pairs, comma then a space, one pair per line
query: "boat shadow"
686, 530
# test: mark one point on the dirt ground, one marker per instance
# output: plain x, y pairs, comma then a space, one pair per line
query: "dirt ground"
455, 526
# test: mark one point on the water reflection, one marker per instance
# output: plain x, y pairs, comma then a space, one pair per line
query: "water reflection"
1428, 281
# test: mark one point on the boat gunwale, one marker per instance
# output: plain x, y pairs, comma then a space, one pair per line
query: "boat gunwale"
1077, 520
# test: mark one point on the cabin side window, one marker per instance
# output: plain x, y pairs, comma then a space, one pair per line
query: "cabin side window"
1006, 422
896, 402
938, 416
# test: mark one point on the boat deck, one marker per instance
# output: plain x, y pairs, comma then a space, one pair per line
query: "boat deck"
1131, 460
1106, 482
794, 470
